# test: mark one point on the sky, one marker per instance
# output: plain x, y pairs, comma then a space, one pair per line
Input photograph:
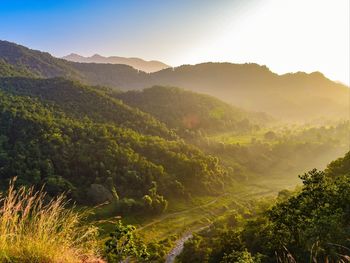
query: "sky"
285, 35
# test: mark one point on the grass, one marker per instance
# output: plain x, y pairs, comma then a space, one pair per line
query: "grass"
186, 216
35, 230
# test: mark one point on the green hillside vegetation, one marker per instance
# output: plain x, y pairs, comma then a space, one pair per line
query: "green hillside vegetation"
295, 96
96, 162
172, 161
39, 64
280, 152
8, 70
80, 101
192, 112
310, 224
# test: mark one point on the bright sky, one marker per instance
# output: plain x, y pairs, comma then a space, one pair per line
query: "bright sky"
285, 35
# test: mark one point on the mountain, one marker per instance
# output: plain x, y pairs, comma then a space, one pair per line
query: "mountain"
189, 111
80, 101
37, 63
137, 63
77, 139
292, 97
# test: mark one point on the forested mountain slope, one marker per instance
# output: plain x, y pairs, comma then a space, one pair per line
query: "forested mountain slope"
185, 110
38, 63
96, 162
296, 96
80, 101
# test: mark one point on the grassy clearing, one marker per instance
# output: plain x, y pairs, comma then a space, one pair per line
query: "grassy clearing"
187, 216
35, 230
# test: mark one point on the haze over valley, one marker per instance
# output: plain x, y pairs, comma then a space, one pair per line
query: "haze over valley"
232, 155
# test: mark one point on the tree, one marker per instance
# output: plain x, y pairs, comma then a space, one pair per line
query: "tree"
123, 244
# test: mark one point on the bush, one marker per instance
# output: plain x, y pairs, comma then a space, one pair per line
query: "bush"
33, 229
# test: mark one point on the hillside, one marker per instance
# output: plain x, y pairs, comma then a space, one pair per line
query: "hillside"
186, 110
95, 162
297, 96
80, 101
38, 63
309, 222
137, 63
293, 97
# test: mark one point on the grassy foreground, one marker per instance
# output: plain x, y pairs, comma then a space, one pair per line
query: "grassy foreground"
35, 230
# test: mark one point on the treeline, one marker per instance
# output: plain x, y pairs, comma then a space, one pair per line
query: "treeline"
308, 224
95, 162
282, 154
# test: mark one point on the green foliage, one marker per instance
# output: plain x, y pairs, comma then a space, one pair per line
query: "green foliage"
239, 257
315, 220
339, 167
292, 151
40, 144
310, 225
188, 111
122, 244
297, 96
39, 64
8, 70
153, 201
80, 101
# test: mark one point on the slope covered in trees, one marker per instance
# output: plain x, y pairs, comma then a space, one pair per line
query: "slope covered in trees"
308, 224
43, 65
97, 161
80, 101
294, 96
38, 63
185, 110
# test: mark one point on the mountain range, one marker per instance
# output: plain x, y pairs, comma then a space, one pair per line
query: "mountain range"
137, 63
293, 97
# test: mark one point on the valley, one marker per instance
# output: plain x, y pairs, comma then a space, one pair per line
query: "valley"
177, 162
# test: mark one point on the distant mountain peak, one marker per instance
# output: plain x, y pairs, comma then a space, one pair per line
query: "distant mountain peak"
96, 56
137, 63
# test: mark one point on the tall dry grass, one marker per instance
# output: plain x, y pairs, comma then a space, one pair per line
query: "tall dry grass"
32, 230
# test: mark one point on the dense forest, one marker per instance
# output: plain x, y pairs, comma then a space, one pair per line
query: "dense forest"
96, 162
188, 111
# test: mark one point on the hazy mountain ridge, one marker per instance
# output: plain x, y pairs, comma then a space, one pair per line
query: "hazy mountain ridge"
294, 96
137, 63
189, 111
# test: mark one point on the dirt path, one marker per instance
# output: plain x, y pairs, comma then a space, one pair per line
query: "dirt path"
180, 245
178, 248
170, 258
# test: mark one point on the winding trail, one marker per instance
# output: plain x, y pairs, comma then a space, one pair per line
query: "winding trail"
177, 249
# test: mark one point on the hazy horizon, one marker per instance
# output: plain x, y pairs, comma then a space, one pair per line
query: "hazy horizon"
190, 32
